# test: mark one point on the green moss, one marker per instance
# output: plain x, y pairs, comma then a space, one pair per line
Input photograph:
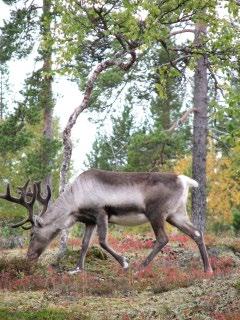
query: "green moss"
47, 314
237, 286
97, 252
95, 257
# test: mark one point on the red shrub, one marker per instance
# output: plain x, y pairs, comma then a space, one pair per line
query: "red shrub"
226, 316
172, 278
222, 265
74, 242
180, 238
130, 243
145, 273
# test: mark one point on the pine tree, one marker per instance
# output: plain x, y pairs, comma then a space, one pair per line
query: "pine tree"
200, 131
4, 89
110, 152
30, 24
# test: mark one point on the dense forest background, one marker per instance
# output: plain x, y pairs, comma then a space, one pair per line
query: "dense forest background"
160, 80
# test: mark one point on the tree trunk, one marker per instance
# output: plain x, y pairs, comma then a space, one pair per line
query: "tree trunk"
1, 95
166, 114
47, 94
200, 130
48, 103
67, 142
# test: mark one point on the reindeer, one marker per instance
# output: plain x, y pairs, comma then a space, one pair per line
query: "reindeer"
98, 197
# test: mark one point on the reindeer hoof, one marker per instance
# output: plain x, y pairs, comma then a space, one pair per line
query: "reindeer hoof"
125, 263
209, 272
74, 271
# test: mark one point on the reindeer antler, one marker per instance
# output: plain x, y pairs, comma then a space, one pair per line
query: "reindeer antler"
22, 201
34, 194
44, 201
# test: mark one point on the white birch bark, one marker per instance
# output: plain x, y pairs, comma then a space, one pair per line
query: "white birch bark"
67, 142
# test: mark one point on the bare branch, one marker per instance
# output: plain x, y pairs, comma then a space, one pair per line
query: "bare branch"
173, 62
174, 33
180, 121
169, 57
67, 149
126, 45
216, 83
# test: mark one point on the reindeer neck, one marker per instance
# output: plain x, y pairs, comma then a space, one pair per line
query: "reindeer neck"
59, 214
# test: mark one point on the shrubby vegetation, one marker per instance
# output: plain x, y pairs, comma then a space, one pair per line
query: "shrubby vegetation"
53, 292
145, 121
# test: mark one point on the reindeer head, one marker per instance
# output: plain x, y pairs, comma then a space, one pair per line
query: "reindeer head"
38, 238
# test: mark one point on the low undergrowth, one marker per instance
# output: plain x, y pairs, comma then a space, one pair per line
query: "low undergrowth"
105, 291
224, 242
226, 316
47, 314
105, 277
237, 286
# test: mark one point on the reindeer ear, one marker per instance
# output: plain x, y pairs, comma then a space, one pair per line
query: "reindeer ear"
38, 221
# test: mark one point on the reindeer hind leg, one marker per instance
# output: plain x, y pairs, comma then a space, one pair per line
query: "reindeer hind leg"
183, 223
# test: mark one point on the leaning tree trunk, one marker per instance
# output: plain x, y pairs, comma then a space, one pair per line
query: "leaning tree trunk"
67, 142
200, 130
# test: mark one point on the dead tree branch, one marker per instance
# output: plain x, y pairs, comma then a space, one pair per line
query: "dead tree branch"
180, 121
67, 143
174, 33
216, 83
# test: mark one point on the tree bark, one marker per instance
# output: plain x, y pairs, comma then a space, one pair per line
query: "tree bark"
200, 131
166, 114
67, 142
1, 95
47, 80
47, 102
180, 121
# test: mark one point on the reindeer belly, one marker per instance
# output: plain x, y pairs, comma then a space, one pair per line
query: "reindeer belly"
130, 219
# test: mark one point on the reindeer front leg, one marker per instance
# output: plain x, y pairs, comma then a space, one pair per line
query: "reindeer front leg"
161, 239
85, 244
102, 225
89, 230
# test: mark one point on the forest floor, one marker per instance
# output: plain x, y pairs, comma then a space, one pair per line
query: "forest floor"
173, 287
